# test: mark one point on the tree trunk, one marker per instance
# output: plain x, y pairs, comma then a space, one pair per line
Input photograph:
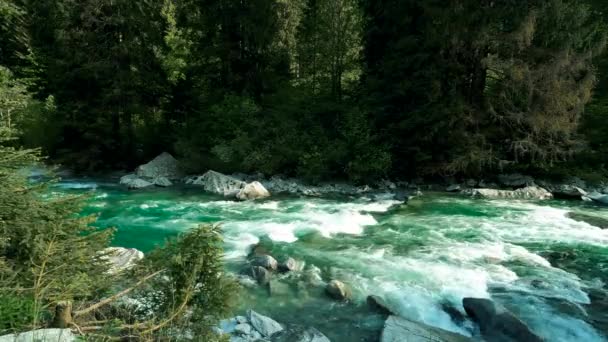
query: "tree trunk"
63, 315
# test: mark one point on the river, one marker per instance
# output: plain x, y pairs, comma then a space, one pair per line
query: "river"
421, 257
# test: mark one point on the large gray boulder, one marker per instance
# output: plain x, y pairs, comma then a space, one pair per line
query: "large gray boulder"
264, 325
134, 182
261, 275
515, 180
41, 335
252, 191
527, 193
397, 329
164, 165
121, 259
218, 183
564, 190
497, 323
162, 182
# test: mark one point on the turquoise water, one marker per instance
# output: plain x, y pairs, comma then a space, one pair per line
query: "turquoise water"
420, 257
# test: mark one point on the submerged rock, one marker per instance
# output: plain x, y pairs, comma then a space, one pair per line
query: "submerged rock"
589, 219
252, 191
497, 323
527, 193
41, 335
121, 259
264, 325
397, 329
218, 183
261, 275
378, 304
338, 290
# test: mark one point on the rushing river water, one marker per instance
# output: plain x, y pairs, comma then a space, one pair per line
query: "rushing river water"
421, 257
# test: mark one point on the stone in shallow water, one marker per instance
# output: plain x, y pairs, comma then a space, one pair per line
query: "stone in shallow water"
378, 304
397, 329
261, 275
497, 323
252, 191
164, 165
338, 290
122, 259
265, 261
589, 219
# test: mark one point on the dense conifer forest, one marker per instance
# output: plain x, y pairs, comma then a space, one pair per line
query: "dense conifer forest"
334, 89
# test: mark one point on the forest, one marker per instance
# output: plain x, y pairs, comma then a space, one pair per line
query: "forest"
334, 89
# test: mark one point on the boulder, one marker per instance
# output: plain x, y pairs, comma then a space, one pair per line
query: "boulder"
266, 326
378, 304
453, 188
497, 323
527, 193
565, 191
121, 259
218, 183
252, 191
164, 165
397, 329
162, 182
596, 221
597, 197
338, 290
290, 265
265, 261
515, 180
134, 182
261, 275
41, 335
296, 333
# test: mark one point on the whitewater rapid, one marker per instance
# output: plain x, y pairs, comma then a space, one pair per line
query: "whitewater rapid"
422, 257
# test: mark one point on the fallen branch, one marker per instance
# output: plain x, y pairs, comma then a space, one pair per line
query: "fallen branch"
116, 296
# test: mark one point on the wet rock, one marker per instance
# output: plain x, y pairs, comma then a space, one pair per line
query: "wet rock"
121, 259
497, 323
252, 191
527, 193
516, 180
296, 333
41, 335
266, 326
162, 182
291, 265
397, 329
556, 257
338, 290
134, 182
218, 183
378, 304
242, 329
265, 261
595, 221
164, 165
566, 191
597, 197
261, 275
455, 315
453, 188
